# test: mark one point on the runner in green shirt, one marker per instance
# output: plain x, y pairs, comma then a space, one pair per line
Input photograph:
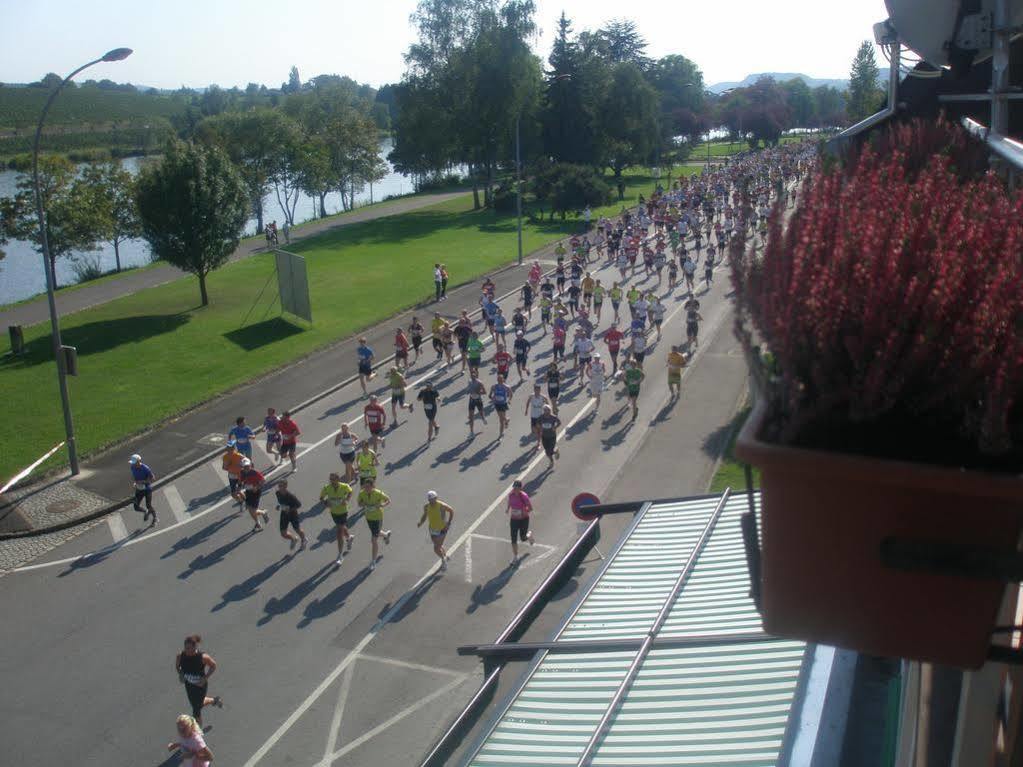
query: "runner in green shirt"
366, 461
633, 377
616, 298
474, 351
398, 384
335, 495
372, 502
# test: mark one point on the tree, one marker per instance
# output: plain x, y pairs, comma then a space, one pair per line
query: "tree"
72, 221
759, 112
193, 207
864, 97
800, 102
620, 41
569, 187
828, 107
294, 84
632, 133
111, 190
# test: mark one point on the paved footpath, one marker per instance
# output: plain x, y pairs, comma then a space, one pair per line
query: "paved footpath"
70, 301
322, 665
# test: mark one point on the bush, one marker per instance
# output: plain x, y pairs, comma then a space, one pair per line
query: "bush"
569, 188
87, 268
891, 302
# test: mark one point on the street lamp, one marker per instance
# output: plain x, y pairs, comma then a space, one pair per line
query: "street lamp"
117, 54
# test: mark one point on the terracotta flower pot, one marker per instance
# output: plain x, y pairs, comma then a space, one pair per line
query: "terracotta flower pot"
824, 516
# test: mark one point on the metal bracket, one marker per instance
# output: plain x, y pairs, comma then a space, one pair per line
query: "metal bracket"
955, 559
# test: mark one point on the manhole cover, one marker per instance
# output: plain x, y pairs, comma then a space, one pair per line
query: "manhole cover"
63, 507
213, 439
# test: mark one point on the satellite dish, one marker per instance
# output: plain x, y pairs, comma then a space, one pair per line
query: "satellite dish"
942, 33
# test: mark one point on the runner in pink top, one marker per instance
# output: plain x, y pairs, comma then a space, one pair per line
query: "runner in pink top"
194, 750
518, 510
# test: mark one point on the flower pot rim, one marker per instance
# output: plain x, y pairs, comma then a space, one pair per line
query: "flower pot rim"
752, 448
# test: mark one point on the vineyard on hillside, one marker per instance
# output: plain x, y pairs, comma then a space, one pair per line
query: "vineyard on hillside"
82, 107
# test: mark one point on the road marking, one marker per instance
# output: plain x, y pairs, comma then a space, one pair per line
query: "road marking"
175, 503
396, 608
117, 527
406, 664
468, 560
545, 549
339, 712
399, 716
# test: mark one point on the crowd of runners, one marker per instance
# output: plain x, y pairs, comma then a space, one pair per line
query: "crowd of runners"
667, 248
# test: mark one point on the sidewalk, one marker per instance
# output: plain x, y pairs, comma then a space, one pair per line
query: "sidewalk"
70, 301
200, 431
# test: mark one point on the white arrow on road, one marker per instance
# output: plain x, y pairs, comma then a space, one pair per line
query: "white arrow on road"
543, 551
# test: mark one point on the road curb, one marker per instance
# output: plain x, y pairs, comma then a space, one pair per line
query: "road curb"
196, 463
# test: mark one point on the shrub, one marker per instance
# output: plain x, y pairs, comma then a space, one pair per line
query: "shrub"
892, 302
87, 268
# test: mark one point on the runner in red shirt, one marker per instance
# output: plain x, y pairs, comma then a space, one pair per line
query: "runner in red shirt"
401, 346
253, 482
375, 418
503, 361
289, 438
613, 338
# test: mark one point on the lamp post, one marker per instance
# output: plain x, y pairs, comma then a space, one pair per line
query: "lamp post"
117, 54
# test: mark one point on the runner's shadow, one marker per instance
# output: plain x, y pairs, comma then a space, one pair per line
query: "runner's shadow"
490, 592
250, 585
279, 606
206, 561
97, 557
202, 500
581, 425
406, 460
664, 414
534, 484
451, 454
173, 760
480, 455
613, 440
334, 601
517, 466
193, 540
410, 604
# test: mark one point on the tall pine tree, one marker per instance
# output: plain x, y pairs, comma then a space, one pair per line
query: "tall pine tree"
864, 96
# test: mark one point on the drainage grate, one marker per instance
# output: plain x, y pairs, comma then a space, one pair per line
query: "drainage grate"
63, 507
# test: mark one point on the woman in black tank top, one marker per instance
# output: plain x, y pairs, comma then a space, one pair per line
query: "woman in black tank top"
194, 668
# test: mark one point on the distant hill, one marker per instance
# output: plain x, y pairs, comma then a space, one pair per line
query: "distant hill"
813, 82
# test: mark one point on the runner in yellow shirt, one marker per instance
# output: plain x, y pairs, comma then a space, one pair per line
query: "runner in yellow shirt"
372, 503
366, 462
335, 495
438, 515
676, 361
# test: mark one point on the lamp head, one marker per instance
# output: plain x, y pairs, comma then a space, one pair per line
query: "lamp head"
117, 54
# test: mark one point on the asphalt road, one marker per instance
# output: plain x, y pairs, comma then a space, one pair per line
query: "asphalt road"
318, 665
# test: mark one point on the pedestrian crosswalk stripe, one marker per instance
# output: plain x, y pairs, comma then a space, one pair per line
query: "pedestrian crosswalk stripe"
175, 503
117, 527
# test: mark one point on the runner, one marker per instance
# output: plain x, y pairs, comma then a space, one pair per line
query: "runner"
438, 516
500, 324
633, 295
598, 299
288, 505
657, 311
365, 354
672, 275
436, 325
444, 276
398, 386
522, 347
429, 396
689, 272
519, 320
190, 743
447, 341
518, 510
583, 348
335, 495
534, 409
545, 313
475, 390
527, 298
558, 347
502, 360
194, 669
347, 441
474, 352
253, 482
693, 318
638, 347
554, 384
372, 503
501, 396
271, 425
616, 298
597, 371
416, 331
401, 346
366, 462
142, 478
676, 361
613, 338
242, 436
463, 331
549, 423
436, 281
587, 285
632, 378
289, 438
231, 462
374, 418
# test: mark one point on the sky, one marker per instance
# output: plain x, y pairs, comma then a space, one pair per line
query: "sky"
234, 42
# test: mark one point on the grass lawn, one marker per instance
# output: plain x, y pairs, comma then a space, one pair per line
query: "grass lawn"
730, 472
146, 357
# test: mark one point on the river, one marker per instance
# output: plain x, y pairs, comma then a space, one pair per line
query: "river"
21, 271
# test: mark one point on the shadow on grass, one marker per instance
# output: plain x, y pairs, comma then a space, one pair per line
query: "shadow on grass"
252, 337
98, 337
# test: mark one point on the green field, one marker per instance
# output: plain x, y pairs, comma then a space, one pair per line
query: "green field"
730, 472
146, 357
20, 107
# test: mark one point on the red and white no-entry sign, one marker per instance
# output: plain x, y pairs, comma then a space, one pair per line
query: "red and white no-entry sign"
579, 504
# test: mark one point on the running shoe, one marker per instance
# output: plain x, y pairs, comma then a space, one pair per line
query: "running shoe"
387, 537
338, 561
291, 544
443, 565
373, 565
351, 540
218, 702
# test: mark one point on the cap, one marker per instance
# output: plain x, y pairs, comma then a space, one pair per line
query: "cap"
231, 443
431, 495
517, 483
519, 333
246, 462
135, 458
